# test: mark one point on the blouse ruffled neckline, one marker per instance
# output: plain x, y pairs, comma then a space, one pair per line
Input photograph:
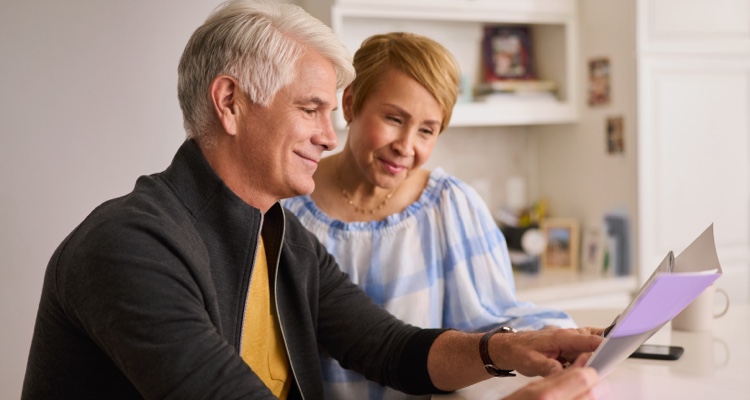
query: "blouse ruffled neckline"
429, 197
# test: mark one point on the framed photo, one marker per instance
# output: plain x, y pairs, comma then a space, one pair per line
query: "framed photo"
563, 242
615, 135
599, 81
507, 53
593, 249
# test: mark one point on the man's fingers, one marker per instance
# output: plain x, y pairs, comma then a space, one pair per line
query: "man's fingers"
584, 343
582, 382
581, 360
539, 364
573, 383
591, 330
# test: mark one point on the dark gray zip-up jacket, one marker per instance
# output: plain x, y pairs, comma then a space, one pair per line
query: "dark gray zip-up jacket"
146, 297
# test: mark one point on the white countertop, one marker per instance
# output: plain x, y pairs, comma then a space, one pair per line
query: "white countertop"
555, 285
715, 365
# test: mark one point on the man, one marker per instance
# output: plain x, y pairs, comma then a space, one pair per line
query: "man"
198, 285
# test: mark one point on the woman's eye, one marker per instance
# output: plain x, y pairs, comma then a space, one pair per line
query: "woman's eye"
426, 131
394, 119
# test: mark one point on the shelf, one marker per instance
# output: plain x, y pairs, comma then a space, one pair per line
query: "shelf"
512, 113
458, 25
566, 289
513, 11
493, 114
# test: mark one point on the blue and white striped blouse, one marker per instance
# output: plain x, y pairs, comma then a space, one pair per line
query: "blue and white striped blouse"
441, 262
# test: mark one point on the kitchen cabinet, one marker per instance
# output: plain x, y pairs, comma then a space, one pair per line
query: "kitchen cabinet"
694, 132
458, 24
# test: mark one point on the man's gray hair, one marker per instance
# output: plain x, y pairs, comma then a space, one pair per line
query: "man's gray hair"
258, 42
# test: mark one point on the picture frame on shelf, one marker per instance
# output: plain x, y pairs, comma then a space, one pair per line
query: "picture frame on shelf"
599, 81
615, 135
593, 250
563, 243
507, 53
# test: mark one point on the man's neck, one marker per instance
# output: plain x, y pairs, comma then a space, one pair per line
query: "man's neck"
227, 167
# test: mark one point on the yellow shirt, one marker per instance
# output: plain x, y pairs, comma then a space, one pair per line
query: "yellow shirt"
262, 344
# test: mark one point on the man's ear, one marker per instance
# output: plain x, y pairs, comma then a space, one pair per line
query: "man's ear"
225, 98
347, 99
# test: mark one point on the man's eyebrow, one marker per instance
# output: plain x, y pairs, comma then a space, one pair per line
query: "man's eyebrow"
315, 100
318, 101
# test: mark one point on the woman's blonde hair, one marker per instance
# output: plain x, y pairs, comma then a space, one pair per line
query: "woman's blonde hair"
423, 59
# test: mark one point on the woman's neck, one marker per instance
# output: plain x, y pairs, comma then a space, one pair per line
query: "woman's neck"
343, 192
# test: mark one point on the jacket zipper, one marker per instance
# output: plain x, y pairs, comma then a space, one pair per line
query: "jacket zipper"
276, 302
275, 298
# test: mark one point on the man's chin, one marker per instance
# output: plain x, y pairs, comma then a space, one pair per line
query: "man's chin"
302, 189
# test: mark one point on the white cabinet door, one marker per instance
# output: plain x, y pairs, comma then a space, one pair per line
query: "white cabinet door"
694, 135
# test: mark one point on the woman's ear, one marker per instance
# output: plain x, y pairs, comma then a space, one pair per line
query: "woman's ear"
225, 94
347, 99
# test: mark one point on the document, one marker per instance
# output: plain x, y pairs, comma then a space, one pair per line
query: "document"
675, 283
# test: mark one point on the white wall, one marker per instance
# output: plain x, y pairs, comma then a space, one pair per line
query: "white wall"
575, 171
87, 104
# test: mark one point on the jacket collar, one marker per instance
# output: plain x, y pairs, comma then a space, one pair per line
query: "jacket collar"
196, 184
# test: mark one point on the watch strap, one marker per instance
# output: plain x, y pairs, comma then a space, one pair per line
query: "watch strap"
484, 352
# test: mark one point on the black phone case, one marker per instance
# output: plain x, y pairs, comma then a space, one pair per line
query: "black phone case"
673, 354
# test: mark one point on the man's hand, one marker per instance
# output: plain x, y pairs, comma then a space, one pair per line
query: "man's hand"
591, 330
541, 352
454, 360
572, 383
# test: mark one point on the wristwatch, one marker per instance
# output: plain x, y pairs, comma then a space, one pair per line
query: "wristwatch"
484, 352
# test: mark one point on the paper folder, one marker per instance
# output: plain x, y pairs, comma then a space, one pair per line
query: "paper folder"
671, 288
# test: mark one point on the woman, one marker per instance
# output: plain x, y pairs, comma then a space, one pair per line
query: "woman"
422, 244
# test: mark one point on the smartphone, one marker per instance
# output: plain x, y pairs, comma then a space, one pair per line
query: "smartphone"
658, 352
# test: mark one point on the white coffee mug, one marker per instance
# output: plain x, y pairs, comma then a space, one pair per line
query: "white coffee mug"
700, 314
702, 349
